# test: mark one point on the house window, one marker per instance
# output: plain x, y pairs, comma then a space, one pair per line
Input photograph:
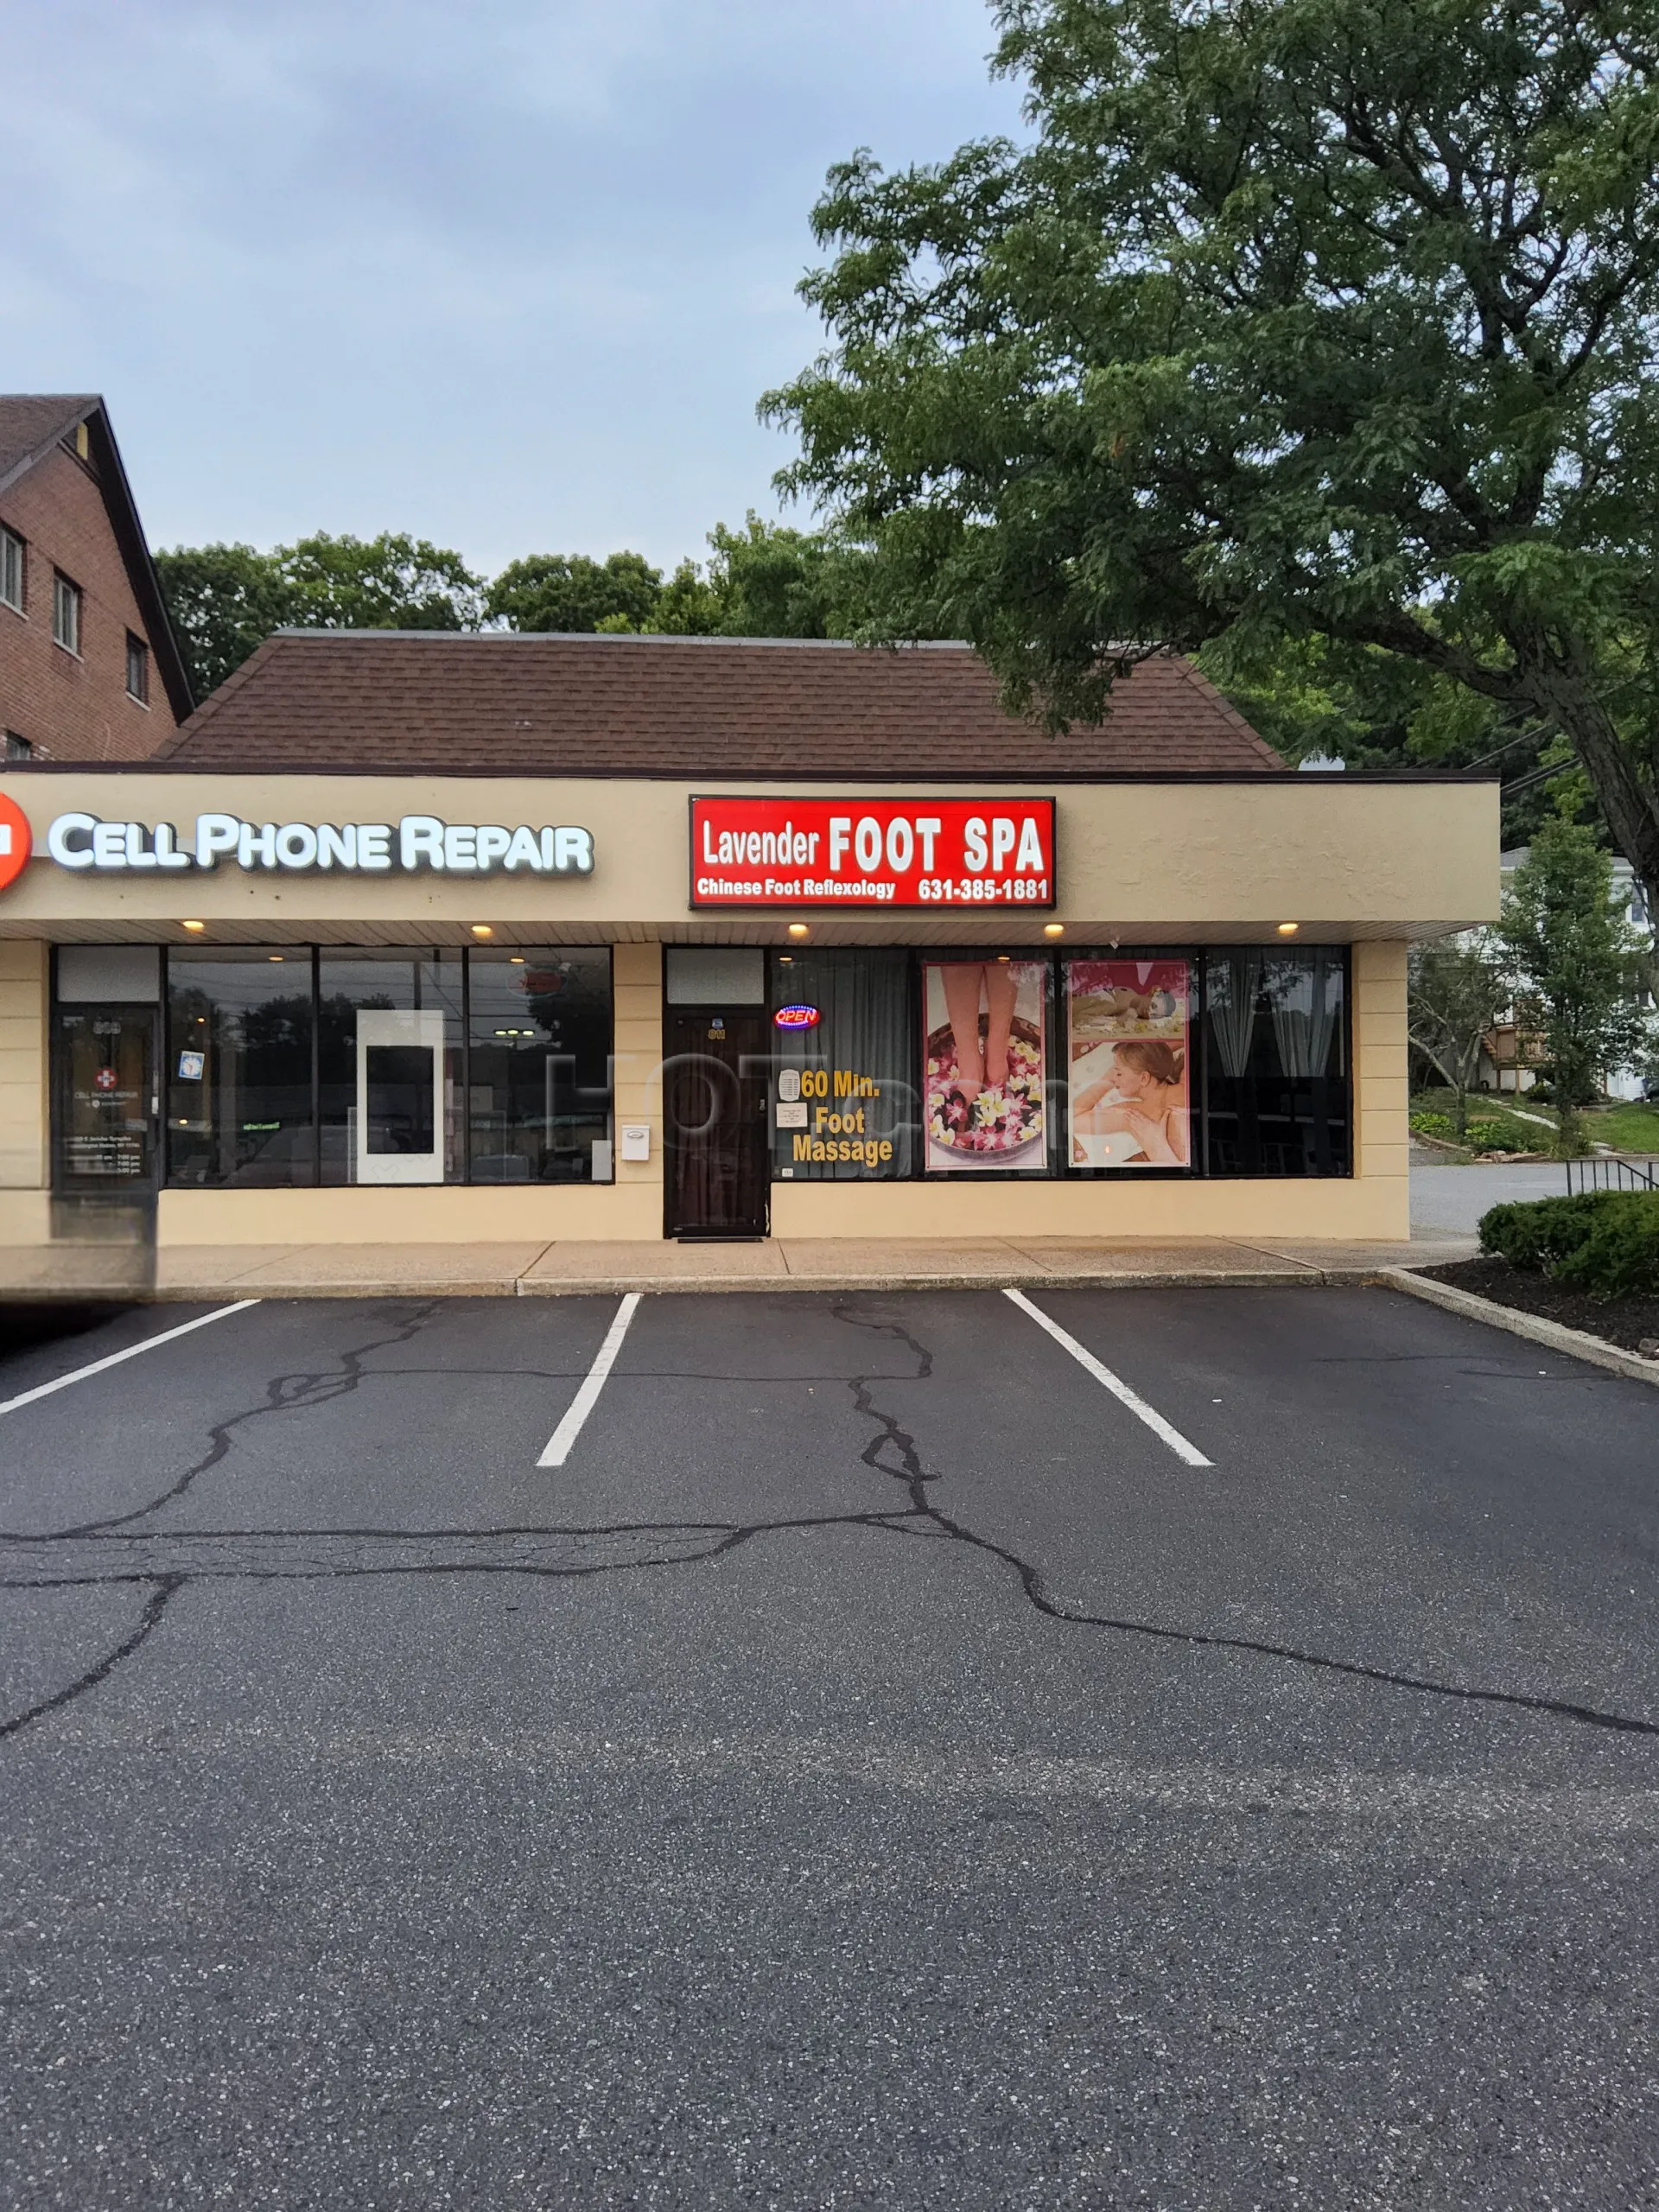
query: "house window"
66, 614
11, 570
137, 669
17, 748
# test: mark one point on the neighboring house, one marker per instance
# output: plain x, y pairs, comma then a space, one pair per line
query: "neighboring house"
89, 668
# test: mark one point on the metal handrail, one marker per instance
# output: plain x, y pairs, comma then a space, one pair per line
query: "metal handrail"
1607, 1171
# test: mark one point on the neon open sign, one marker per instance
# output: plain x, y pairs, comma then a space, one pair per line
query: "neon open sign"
796, 1017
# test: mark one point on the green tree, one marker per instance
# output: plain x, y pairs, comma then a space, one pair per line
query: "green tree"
763, 581
223, 600
572, 592
391, 583
1295, 319
1458, 993
1577, 965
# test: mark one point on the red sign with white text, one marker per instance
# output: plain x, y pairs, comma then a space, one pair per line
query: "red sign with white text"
872, 852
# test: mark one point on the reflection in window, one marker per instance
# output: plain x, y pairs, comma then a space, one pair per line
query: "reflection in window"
540, 1101
1277, 1094
238, 1068
359, 980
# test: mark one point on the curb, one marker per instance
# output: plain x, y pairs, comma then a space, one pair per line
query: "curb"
1552, 1334
1007, 1278
1303, 1274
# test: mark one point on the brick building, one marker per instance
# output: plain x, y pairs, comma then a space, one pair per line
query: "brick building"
89, 668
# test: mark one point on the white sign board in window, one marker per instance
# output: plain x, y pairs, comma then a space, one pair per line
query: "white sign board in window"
400, 1117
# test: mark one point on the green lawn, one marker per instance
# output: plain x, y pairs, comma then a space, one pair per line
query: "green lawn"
1633, 1128
1519, 1133
1627, 1129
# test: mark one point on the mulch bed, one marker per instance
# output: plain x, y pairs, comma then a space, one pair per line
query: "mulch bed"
1622, 1321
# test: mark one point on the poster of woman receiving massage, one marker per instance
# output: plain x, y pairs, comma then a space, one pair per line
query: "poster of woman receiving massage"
1130, 1100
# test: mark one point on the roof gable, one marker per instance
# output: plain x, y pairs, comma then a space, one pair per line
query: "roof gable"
34, 425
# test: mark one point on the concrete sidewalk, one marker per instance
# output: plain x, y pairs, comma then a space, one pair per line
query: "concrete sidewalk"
534, 1269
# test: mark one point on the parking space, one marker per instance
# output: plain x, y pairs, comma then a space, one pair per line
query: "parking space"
874, 1767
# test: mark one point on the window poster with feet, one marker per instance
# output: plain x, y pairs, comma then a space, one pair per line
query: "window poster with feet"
985, 1023
1129, 1091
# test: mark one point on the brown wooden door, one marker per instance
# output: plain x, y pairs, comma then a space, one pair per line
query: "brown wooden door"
715, 1094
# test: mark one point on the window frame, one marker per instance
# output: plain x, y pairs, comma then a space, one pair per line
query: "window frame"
18, 747
67, 593
138, 658
311, 956
10, 539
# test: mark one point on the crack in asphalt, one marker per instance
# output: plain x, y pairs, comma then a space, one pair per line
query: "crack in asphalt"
300, 1391
111, 1552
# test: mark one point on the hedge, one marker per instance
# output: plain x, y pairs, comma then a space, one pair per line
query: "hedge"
1606, 1242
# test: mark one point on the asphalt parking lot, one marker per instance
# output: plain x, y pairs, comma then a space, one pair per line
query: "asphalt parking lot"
858, 1752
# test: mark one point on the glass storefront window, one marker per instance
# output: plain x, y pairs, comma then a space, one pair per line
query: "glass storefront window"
538, 1089
1277, 1091
1129, 1072
238, 1067
388, 1051
846, 1106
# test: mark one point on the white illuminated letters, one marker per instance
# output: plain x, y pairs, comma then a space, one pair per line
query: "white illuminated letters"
82, 841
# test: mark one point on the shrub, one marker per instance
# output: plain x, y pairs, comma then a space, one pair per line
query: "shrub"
1620, 1256
1602, 1242
1432, 1125
1495, 1137
1540, 1233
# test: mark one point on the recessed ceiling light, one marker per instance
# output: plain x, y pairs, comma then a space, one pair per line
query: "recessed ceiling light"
797, 929
515, 960
193, 926
1054, 928
482, 929
1288, 929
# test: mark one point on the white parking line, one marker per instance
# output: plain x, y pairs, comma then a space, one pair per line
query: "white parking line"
115, 1358
559, 1443
1119, 1389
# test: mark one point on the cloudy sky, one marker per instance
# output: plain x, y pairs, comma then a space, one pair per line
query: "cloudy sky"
510, 274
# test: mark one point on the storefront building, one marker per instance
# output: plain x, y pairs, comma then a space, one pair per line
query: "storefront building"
444, 940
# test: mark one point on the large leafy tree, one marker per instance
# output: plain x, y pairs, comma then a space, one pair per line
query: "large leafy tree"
223, 602
391, 583
1577, 965
225, 599
767, 580
1326, 319
572, 592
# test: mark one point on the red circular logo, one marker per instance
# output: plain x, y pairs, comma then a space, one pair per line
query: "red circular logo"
106, 1078
14, 841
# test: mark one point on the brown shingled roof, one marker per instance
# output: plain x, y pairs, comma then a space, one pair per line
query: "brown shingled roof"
326, 699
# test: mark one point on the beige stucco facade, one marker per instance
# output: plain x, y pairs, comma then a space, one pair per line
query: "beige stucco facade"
1368, 864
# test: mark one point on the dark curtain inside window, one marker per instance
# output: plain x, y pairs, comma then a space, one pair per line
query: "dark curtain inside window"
864, 1042
1276, 1033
